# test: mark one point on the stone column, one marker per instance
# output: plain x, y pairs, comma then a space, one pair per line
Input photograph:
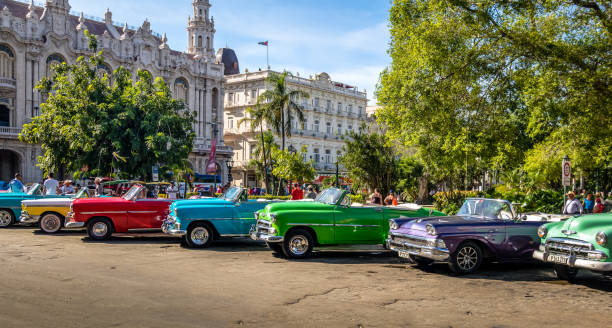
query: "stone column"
20, 93
28, 88
208, 112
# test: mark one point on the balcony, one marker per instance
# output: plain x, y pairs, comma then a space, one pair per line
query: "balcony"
9, 132
7, 86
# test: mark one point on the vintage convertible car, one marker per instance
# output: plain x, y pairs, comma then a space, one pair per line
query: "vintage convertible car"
482, 229
130, 213
294, 228
581, 242
203, 220
10, 204
49, 213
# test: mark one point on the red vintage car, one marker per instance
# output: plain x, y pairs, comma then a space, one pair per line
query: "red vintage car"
130, 213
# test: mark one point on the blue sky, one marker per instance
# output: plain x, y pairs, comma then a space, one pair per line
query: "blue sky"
346, 38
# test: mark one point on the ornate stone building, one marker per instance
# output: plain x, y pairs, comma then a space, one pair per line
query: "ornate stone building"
333, 110
33, 38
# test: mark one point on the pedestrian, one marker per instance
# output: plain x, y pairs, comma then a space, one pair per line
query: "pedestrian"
310, 193
16, 185
67, 188
171, 191
376, 197
572, 206
588, 203
395, 202
389, 199
99, 190
297, 193
51, 185
599, 206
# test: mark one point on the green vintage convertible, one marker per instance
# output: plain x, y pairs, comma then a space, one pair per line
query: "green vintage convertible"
294, 228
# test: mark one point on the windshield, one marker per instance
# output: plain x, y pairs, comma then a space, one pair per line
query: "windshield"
490, 208
81, 194
231, 194
132, 194
35, 189
329, 196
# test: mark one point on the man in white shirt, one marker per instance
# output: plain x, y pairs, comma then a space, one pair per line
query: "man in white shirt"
51, 185
572, 206
171, 191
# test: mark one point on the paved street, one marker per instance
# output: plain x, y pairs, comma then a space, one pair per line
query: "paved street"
66, 280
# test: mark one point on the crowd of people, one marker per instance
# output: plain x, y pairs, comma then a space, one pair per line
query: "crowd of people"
591, 203
52, 186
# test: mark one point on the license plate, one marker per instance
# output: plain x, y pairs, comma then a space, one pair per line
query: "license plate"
403, 254
560, 259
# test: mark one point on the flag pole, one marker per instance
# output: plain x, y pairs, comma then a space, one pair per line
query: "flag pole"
268, 55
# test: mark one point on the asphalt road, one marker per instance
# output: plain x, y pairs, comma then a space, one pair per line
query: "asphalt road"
66, 280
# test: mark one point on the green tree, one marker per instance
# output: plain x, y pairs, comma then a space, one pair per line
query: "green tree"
282, 110
475, 85
257, 116
109, 123
262, 155
292, 166
370, 160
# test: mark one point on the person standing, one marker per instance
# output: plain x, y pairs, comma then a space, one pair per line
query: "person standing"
310, 194
99, 190
51, 185
389, 199
599, 206
171, 191
297, 193
572, 206
588, 203
376, 197
16, 185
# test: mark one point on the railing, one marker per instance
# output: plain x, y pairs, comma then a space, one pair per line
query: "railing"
10, 131
4, 82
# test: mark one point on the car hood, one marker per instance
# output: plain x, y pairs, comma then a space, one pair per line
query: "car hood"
295, 206
51, 202
201, 202
442, 223
583, 227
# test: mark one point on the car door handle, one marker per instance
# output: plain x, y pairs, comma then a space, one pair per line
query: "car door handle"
378, 209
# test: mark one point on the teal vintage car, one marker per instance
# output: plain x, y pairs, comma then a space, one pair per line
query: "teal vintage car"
10, 204
201, 221
582, 242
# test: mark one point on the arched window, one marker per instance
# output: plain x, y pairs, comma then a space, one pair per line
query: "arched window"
181, 90
53, 60
215, 104
7, 62
5, 115
208, 43
200, 41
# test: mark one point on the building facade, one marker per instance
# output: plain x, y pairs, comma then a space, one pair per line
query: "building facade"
333, 110
34, 38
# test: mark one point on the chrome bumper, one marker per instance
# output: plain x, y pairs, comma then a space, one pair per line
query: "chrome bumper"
28, 219
171, 227
74, 225
256, 235
576, 263
430, 252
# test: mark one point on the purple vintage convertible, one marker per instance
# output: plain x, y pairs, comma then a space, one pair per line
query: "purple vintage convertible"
482, 229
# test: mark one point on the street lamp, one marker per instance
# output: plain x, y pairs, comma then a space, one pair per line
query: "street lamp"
230, 165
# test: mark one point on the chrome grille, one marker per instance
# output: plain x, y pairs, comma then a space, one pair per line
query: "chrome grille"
569, 247
399, 240
263, 226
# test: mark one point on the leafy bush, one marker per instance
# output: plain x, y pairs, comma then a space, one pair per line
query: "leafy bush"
450, 202
357, 199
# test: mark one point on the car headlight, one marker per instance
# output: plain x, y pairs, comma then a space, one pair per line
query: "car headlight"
601, 238
393, 225
440, 243
431, 230
272, 217
542, 231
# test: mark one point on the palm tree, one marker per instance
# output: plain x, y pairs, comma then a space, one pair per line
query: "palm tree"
257, 116
280, 105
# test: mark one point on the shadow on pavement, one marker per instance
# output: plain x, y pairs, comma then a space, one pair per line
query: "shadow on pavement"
136, 239
229, 245
59, 233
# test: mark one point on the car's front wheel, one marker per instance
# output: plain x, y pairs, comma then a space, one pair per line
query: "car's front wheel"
7, 218
298, 244
199, 235
466, 259
99, 229
565, 273
51, 223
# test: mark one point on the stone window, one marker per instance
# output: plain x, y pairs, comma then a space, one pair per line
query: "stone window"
339, 128
316, 126
329, 128
181, 90
328, 156
316, 155
316, 103
230, 122
7, 63
339, 107
305, 126
329, 106
54, 60
350, 109
200, 41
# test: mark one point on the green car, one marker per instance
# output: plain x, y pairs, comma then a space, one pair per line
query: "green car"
294, 228
582, 242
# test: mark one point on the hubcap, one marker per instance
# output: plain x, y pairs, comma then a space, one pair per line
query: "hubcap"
50, 223
467, 258
5, 218
199, 236
298, 245
99, 229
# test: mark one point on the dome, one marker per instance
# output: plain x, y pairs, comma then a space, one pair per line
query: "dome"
229, 59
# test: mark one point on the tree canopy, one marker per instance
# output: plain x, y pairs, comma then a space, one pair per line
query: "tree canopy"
109, 123
499, 85
291, 166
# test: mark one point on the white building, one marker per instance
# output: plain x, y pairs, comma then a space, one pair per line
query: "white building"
33, 38
332, 110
